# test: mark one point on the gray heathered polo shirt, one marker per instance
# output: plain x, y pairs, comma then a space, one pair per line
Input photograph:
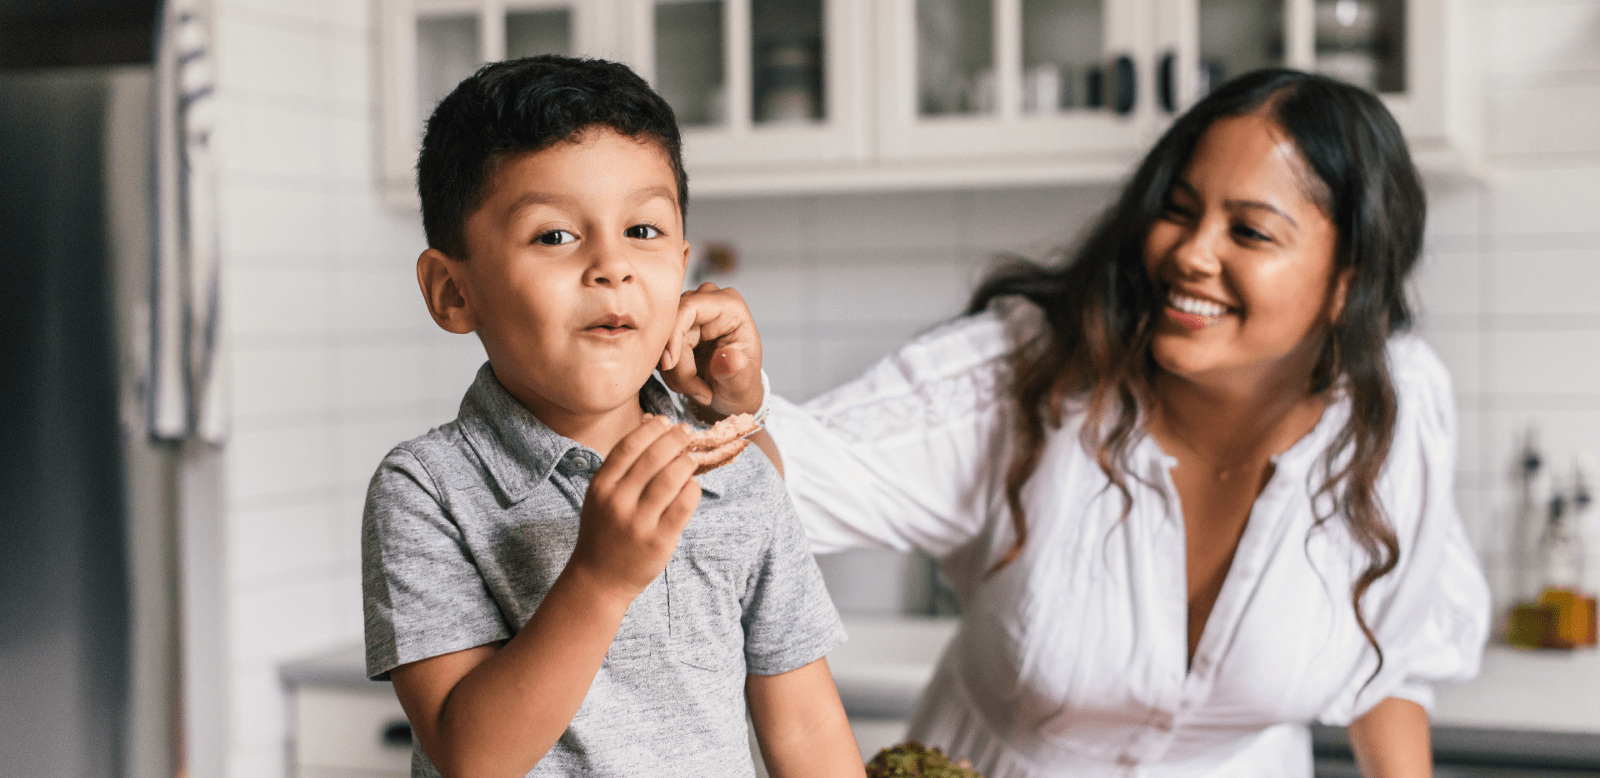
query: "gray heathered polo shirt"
468, 526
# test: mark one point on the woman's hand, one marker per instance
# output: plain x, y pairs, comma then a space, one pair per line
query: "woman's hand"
1392, 741
714, 354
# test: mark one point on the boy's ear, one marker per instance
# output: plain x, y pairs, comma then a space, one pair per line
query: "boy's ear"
686, 256
443, 289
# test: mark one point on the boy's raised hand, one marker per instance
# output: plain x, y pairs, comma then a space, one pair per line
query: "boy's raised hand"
636, 508
714, 354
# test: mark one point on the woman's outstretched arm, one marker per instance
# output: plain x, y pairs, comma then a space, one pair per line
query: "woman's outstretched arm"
1392, 741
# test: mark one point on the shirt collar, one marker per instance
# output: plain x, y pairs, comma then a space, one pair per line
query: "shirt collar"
517, 449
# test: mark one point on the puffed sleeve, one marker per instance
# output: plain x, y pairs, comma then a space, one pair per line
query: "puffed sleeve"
1431, 614
906, 456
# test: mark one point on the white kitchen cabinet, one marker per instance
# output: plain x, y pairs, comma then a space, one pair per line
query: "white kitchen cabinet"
1420, 56
784, 96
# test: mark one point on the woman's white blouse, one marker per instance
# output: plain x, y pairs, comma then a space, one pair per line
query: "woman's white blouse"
1071, 660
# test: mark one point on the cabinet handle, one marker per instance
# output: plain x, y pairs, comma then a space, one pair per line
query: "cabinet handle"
1165, 82
1127, 90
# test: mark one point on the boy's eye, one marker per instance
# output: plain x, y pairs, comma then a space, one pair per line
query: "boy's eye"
555, 238
642, 232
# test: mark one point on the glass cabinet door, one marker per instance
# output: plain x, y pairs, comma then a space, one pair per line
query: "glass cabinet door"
755, 82
454, 38
787, 62
1063, 56
534, 31
449, 49
690, 69
1013, 79
1238, 36
1363, 42
955, 58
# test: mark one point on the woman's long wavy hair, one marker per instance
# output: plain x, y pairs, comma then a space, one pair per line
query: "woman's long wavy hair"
1100, 303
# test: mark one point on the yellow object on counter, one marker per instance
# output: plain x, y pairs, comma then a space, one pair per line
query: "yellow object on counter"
1561, 618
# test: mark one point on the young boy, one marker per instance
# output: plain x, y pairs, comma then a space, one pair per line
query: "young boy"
549, 588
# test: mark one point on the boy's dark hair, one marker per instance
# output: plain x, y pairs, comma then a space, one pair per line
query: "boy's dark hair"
528, 105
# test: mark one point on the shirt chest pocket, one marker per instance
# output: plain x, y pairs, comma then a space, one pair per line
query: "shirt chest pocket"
704, 590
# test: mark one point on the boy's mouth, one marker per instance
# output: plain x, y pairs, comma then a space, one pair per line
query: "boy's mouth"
610, 324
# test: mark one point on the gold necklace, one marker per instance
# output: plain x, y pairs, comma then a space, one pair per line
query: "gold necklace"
1222, 473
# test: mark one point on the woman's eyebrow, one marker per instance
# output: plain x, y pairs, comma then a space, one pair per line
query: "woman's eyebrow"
1259, 205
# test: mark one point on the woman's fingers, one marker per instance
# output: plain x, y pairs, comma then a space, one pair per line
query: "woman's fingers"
714, 354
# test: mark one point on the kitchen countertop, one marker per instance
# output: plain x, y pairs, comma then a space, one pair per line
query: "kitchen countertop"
1542, 703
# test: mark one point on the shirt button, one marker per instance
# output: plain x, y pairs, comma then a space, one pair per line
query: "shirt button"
1162, 721
579, 462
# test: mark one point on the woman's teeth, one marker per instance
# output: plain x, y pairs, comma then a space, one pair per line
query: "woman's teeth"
1196, 306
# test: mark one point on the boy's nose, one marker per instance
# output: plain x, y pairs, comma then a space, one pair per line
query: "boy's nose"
608, 264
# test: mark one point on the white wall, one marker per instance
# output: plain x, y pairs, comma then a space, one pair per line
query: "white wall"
336, 359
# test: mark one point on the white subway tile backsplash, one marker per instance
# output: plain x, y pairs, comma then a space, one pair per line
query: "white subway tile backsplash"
283, 459
379, 300
262, 724
350, 137
1035, 222
1545, 119
267, 138
932, 220
787, 362
266, 545
364, 443
1559, 200
1460, 353
1546, 282
1471, 456
262, 224
753, 224
367, 231
381, 375
299, 13
1544, 363
253, 58
1532, 38
1455, 209
776, 294
1562, 433
453, 363
277, 299
284, 620
1447, 286
915, 295
350, 80
285, 381
841, 359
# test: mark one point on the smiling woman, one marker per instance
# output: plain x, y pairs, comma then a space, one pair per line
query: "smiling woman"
1192, 482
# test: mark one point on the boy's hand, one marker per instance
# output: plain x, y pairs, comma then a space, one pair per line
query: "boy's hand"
714, 354
636, 508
